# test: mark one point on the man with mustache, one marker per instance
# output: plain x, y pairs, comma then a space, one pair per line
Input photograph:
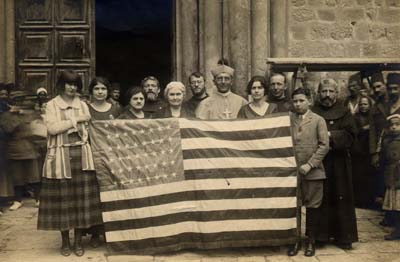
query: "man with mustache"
338, 217
196, 83
393, 87
115, 93
223, 104
277, 92
354, 86
154, 103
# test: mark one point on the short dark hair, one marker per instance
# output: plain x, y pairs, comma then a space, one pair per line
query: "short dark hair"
277, 74
149, 78
260, 79
133, 90
99, 80
69, 77
223, 61
196, 74
302, 91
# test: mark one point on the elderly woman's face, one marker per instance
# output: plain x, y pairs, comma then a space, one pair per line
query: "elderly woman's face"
175, 96
257, 91
70, 90
137, 101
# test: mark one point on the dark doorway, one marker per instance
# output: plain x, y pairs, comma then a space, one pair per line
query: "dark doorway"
134, 39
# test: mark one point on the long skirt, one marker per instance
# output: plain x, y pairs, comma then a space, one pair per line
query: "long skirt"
392, 199
70, 203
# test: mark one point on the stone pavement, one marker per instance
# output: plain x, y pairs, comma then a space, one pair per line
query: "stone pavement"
20, 241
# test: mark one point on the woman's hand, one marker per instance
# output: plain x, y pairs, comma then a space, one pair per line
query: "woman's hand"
82, 118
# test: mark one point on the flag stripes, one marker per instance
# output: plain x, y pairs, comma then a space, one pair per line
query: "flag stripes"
199, 195
201, 227
235, 184
200, 205
201, 216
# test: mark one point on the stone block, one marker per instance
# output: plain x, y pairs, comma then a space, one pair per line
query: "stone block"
303, 14
393, 3
316, 49
370, 50
320, 31
377, 32
347, 3
326, 14
296, 50
352, 49
371, 13
361, 31
332, 2
316, 3
390, 50
389, 16
393, 33
298, 2
299, 32
341, 31
351, 14
365, 2
336, 50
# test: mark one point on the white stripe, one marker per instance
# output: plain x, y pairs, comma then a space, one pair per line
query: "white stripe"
236, 125
237, 162
259, 144
200, 184
201, 227
199, 206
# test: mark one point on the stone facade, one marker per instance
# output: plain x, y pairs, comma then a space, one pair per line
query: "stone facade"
344, 28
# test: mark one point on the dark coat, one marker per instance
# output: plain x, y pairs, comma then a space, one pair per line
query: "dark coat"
391, 160
338, 217
166, 113
364, 178
152, 108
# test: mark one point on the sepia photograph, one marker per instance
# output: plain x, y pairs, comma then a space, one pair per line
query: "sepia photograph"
199, 130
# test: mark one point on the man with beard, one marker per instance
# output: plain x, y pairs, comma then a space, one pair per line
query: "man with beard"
338, 217
277, 92
354, 86
154, 103
196, 82
224, 104
393, 87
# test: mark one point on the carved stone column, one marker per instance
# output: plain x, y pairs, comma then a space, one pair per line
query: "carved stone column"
7, 41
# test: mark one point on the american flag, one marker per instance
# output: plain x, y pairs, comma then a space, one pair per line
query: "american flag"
170, 184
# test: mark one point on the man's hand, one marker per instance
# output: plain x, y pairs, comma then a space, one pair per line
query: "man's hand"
304, 169
375, 160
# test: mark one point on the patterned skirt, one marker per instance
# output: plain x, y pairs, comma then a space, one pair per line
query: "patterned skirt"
70, 203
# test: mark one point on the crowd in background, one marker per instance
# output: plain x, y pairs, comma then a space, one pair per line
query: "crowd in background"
33, 128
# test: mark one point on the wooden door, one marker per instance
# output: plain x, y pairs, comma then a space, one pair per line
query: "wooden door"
51, 36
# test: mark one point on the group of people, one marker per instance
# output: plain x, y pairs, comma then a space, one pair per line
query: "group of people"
332, 140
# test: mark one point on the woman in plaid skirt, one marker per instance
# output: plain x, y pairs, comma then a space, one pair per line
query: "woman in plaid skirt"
70, 193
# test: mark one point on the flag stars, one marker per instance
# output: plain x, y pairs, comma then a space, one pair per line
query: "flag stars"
154, 153
142, 131
173, 174
139, 180
162, 152
172, 162
164, 163
171, 150
160, 128
155, 165
144, 154
138, 168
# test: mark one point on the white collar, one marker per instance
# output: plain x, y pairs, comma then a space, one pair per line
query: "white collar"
76, 103
224, 94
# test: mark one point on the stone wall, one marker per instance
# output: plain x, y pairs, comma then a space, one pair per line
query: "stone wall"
344, 28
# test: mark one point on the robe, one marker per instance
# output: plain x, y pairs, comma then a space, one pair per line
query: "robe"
220, 106
338, 216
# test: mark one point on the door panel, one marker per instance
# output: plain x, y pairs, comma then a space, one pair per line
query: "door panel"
72, 12
73, 47
36, 47
83, 72
34, 12
52, 35
35, 78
